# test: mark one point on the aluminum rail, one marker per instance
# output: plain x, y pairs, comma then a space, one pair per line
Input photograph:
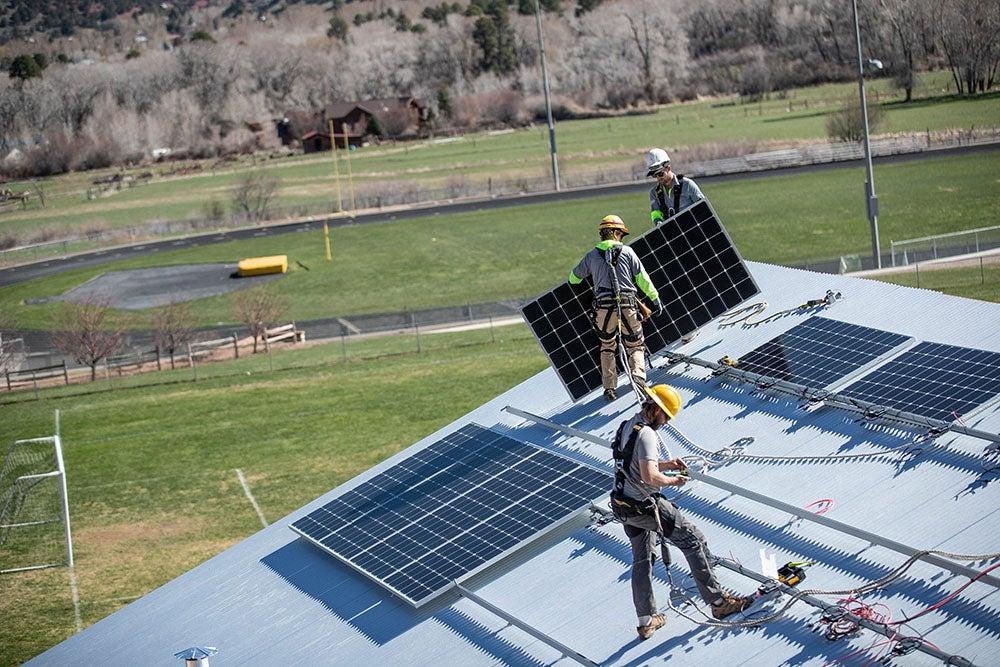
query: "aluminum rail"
832, 399
518, 623
806, 515
929, 649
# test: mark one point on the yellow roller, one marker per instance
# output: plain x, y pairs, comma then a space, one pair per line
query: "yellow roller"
261, 266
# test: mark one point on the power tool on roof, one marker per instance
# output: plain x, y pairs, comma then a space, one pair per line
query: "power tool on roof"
793, 572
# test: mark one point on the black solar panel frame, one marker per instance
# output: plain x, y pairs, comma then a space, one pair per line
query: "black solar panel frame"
821, 330
580, 372
470, 431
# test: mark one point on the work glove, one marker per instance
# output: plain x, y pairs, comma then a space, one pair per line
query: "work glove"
658, 308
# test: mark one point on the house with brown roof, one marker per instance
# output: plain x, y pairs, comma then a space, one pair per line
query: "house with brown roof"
391, 117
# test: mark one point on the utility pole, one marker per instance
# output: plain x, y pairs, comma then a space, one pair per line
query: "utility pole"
871, 200
548, 102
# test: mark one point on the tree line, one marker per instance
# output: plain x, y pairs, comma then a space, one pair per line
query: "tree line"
218, 89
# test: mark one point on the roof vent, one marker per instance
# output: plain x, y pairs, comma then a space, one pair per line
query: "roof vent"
196, 656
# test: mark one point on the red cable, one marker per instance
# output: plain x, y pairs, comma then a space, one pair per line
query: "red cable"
949, 598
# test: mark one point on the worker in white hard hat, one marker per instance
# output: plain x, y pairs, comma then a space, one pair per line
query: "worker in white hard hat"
617, 275
636, 501
672, 192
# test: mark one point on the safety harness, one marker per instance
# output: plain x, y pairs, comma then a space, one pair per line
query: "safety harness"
615, 300
676, 189
624, 507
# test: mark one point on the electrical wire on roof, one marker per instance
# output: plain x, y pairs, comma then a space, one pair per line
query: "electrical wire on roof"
828, 299
734, 317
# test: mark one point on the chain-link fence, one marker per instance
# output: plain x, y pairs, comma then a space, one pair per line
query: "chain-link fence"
912, 251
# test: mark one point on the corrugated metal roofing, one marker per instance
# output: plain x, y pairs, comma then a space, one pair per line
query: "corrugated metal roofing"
274, 599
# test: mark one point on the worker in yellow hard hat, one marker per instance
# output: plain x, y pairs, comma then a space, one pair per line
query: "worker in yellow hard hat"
640, 473
617, 275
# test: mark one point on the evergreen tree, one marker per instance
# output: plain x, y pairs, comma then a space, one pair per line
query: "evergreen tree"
24, 67
495, 37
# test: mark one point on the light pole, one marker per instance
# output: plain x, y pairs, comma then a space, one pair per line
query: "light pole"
548, 103
871, 199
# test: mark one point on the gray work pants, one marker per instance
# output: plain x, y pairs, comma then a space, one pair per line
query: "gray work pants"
607, 325
641, 531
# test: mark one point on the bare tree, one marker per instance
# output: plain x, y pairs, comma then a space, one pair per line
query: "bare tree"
907, 22
254, 194
172, 327
89, 333
968, 37
258, 308
8, 344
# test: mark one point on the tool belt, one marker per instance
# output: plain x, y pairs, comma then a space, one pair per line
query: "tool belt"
625, 508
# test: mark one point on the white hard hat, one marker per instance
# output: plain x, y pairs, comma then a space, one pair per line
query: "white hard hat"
656, 160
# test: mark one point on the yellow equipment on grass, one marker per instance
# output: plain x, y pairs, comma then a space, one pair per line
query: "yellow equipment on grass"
261, 266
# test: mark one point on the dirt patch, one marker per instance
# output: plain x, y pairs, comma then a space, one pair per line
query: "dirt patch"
136, 531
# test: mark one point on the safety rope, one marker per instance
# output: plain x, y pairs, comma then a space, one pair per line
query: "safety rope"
730, 319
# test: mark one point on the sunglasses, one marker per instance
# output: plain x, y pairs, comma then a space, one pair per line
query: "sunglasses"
657, 174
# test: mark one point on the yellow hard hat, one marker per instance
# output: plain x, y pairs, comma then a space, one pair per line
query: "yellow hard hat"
667, 398
613, 222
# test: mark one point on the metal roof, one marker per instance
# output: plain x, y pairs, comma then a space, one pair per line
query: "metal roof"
274, 598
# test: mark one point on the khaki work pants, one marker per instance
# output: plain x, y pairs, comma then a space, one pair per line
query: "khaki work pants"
606, 320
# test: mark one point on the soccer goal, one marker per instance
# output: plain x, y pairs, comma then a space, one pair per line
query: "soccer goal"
34, 508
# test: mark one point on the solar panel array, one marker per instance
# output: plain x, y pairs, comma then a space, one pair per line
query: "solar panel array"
819, 351
450, 510
933, 380
692, 262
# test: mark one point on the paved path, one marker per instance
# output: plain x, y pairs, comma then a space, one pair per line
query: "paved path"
17, 274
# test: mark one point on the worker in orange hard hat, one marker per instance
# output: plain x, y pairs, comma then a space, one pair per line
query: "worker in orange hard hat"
617, 275
640, 473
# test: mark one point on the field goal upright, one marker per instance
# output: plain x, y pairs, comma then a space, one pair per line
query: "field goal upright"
34, 506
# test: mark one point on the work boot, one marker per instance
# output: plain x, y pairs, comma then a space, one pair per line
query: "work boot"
655, 623
730, 605
610, 395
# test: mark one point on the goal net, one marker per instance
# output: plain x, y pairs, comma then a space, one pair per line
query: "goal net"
34, 512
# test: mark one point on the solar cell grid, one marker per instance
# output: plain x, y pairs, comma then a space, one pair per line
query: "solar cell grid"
692, 262
820, 351
934, 380
449, 509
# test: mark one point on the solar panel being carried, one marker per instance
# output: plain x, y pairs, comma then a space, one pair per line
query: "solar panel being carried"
944, 382
451, 510
819, 352
692, 262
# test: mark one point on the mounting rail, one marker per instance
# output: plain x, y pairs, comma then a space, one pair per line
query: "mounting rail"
806, 515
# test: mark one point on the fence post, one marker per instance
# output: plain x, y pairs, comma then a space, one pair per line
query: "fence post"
34, 384
194, 369
343, 346
65, 373
159, 366
982, 272
236, 346
416, 327
916, 268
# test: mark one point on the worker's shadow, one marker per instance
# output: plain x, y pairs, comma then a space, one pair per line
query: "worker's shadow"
376, 614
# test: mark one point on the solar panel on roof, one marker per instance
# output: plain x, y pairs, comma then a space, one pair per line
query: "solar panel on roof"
692, 262
944, 382
450, 510
820, 351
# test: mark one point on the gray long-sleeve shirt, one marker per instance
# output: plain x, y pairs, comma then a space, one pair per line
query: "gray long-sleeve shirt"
628, 269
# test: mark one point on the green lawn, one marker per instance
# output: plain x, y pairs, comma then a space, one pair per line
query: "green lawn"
520, 251
584, 146
981, 281
151, 471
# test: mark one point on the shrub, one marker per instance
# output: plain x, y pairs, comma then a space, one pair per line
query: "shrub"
847, 123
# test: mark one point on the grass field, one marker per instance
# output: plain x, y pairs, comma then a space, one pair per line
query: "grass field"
521, 251
978, 281
151, 471
584, 146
